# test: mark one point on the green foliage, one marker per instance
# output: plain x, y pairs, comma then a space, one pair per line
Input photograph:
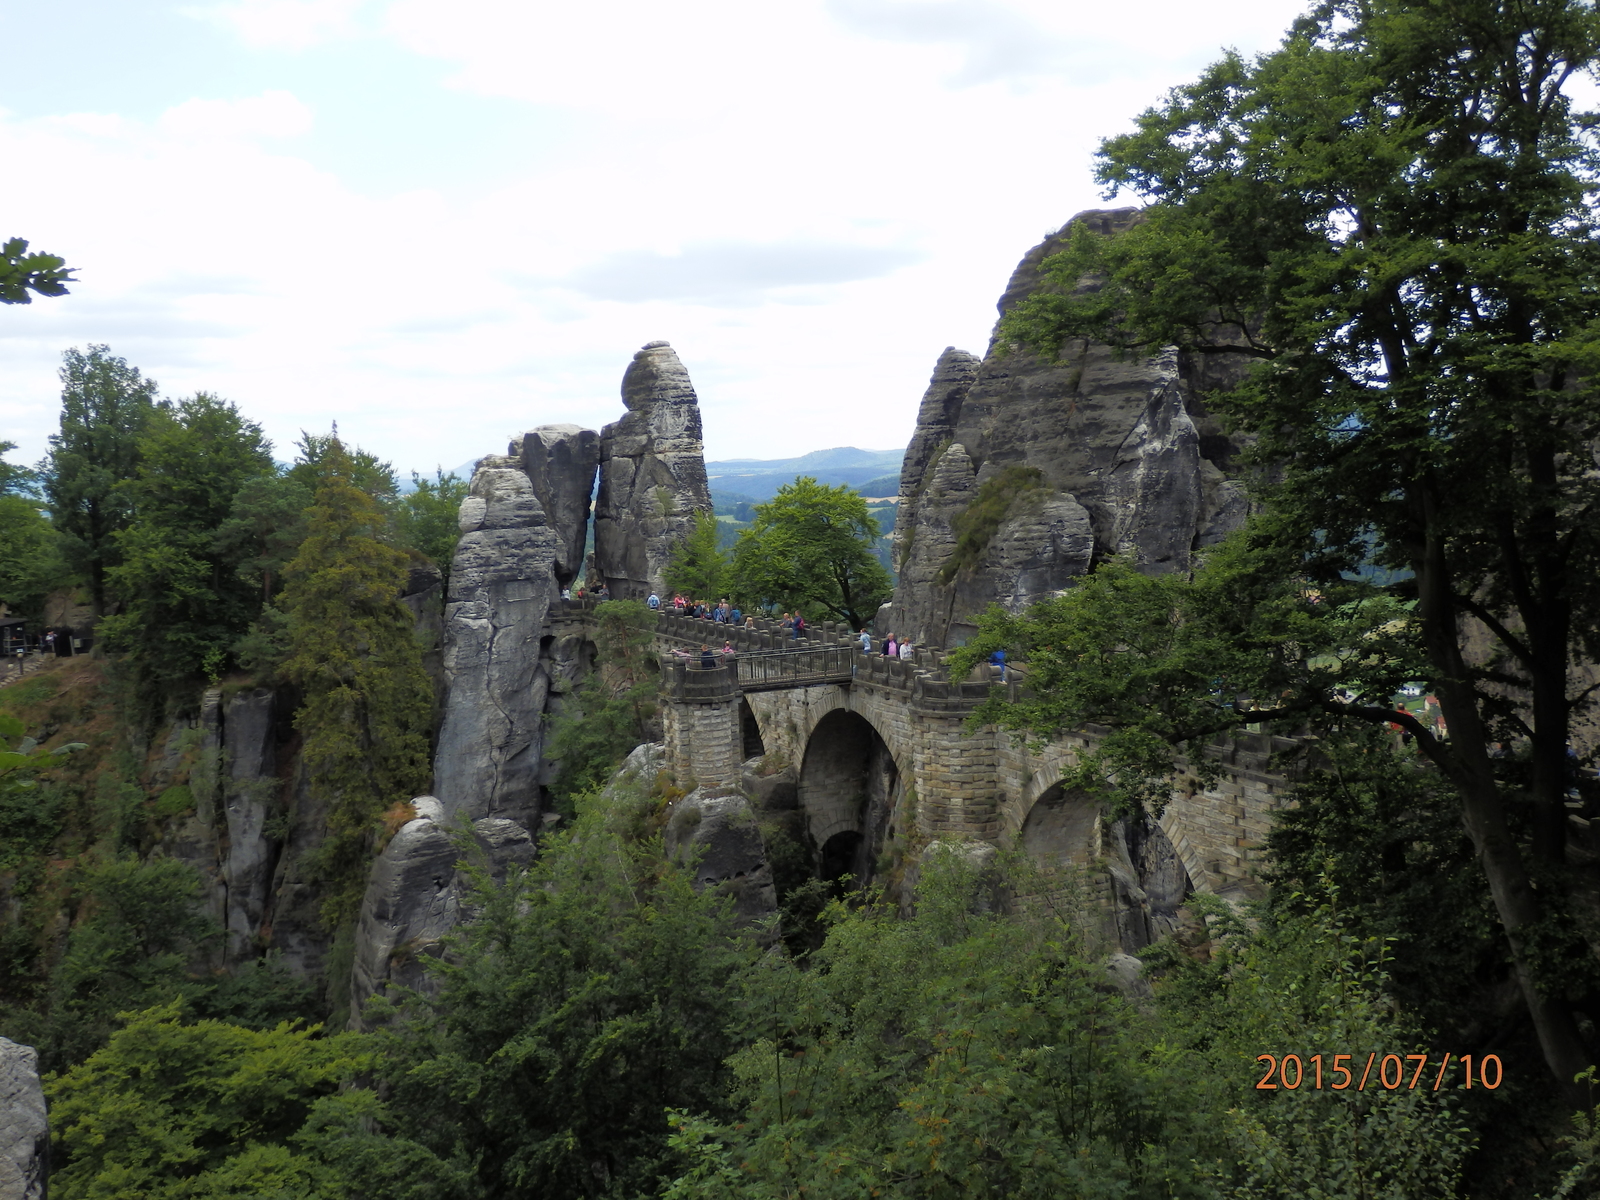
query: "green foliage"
811, 546
594, 991
30, 554
15, 480
427, 520
965, 1053
105, 405
1170, 663
139, 927
976, 524
318, 452
1379, 836
170, 1110
30, 816
22, 272
956, 1053
699, 567
185, 603
264, 527
1308, 986
368, 705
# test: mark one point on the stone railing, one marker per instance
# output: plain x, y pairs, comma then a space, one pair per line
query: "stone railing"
765, 643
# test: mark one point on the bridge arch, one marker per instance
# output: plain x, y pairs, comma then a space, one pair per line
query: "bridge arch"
850, 787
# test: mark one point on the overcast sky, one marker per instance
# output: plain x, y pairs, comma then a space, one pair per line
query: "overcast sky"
439, 222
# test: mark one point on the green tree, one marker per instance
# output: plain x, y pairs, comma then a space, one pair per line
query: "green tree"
30, 556
699, 565
353, 652
427, 519
105, 405
367, 472
15, 480
184, 602
22, 272
139, 928
594, 991
175, 1110
811, 546
1391, 218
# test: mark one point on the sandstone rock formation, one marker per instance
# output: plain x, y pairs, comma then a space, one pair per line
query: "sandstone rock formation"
415, 896
487, 762
652, 475
560, 462
716, 830
24, 1129
1073, 461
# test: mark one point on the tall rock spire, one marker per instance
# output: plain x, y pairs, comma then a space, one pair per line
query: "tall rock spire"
652, 475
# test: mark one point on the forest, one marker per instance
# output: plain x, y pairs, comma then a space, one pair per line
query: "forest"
1377, 245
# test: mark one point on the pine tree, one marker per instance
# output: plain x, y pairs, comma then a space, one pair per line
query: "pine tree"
353, 652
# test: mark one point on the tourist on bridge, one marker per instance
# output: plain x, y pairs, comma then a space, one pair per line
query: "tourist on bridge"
866, 641
708, 660
654, 601
891, 648
799, 625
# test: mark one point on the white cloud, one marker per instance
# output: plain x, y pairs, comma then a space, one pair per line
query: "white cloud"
273, 114
809, 201
284, 24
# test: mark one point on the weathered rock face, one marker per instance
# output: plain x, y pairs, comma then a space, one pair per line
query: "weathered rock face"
501, 584
24, 1129
560, 462
250, 797
953, 377
652, 475
1100, 456
717, 830
415, 896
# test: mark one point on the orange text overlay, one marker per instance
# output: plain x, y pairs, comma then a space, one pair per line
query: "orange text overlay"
1391, 1072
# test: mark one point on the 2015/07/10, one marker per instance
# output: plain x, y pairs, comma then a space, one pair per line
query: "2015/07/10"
1310, 1071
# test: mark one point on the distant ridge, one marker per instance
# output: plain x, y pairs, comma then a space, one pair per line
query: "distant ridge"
756, 479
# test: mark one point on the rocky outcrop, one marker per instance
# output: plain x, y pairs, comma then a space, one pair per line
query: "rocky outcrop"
24, 1128
250, 798
953, 377
1071, 461
416, 895
488, 758
560, 462
715, 831
652, 475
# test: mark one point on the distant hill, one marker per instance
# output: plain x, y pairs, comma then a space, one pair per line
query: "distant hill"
756, 480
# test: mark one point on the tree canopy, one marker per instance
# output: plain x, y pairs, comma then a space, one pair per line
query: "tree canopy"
105, 405
1391, 220
810, 547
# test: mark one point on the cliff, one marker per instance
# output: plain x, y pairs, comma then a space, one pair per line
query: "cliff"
1024, 472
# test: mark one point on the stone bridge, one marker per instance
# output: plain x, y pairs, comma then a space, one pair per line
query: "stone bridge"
881, 749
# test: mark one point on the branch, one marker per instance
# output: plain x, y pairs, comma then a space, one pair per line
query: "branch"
1495, 627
